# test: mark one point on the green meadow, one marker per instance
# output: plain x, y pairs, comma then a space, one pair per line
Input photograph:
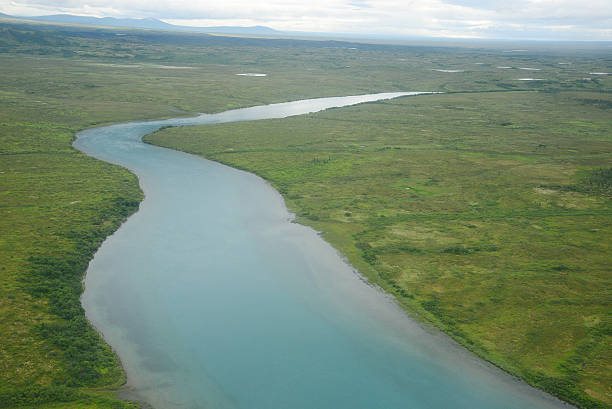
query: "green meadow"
485, 210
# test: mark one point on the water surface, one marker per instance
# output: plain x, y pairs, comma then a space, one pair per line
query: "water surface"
213, 298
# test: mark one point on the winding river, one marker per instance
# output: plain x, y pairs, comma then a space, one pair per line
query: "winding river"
213, 298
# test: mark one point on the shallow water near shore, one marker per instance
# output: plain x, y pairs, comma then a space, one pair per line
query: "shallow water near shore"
213, 298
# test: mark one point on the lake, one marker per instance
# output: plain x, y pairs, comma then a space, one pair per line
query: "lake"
213, 298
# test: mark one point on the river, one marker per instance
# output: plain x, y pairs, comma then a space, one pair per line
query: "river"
213, 298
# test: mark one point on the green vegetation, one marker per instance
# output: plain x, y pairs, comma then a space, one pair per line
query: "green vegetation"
460, 236
487, 214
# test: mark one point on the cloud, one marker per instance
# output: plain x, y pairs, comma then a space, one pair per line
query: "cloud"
534, 19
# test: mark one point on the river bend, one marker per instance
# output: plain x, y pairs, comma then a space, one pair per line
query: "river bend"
213, 298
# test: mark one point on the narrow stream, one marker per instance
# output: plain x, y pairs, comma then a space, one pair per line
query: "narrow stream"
213, 298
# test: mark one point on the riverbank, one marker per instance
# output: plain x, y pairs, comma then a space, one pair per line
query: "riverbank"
445, 230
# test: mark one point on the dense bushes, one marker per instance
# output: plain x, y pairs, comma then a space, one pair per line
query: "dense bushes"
599, 180
565, 388
57, 278
367, 252
596, 181
36, 394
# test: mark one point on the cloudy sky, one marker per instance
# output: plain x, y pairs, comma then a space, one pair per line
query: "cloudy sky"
512, 19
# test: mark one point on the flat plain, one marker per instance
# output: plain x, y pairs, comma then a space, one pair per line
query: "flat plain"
485, 210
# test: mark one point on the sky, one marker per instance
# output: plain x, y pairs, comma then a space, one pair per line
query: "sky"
495, 19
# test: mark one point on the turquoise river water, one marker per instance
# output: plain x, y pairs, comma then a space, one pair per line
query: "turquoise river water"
213, 298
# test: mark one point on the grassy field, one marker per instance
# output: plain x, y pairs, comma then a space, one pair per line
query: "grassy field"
487, 214
57, 205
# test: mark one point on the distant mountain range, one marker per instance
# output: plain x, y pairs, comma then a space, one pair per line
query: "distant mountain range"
150, 23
